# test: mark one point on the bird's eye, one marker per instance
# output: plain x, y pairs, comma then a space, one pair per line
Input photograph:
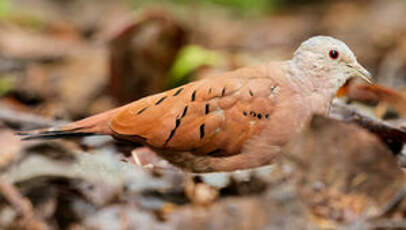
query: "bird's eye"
334, 54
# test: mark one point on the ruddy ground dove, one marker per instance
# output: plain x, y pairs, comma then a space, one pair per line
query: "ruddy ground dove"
236, 120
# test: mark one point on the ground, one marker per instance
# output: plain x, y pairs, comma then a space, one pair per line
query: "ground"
64, 60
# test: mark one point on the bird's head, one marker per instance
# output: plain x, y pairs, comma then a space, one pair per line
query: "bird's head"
329, 59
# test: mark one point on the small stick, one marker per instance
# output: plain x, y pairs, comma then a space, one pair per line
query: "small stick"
25, 119
392, 136
22, 205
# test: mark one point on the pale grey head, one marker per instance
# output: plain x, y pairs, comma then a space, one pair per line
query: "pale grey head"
330, 60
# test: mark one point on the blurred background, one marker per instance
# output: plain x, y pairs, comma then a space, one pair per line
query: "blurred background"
63, 60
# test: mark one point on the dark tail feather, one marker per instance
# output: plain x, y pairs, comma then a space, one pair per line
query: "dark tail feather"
94, 125
53, 133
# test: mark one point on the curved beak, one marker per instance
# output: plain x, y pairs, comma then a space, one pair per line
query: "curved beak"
361, 72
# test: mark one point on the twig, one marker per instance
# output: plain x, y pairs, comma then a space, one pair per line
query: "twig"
393, 137
25, 119
392, 204
388, 224
22, 205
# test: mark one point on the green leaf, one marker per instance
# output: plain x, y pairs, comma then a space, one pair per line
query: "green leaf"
5, 8
6, 84
191, 58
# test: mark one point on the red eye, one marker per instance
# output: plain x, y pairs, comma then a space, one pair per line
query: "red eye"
334, 54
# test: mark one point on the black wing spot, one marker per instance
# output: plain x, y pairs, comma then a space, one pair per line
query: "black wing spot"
251, 93
142, 110
184, 112
194, 95
252, 113
202, 131
161, 100
259, 116
244, 113
177, 123
266, 116
170, 136
207, 109
178, 92
223, 92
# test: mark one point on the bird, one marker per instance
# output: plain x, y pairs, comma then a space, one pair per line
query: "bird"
235, 120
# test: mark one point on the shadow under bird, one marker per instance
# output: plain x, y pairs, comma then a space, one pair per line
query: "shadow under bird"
236, 120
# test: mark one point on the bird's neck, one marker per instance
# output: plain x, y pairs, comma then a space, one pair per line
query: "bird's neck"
318, 89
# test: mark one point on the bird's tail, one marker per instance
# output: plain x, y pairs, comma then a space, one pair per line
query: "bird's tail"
94, 125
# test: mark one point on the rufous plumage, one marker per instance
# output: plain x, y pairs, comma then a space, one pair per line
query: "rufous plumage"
235, 120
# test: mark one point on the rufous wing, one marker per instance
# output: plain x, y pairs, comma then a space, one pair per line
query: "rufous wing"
211, 116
